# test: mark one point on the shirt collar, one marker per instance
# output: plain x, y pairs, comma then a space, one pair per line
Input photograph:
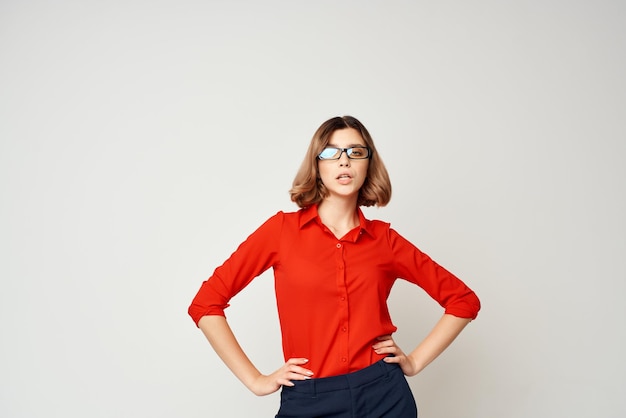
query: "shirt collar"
310, 213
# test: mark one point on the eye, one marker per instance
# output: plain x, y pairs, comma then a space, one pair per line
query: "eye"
328, 153
357, 152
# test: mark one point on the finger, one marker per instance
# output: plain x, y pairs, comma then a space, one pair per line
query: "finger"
301, 371
298, 376
393, 359
384, 337
297, 361
386, 343
387, 350
289, 376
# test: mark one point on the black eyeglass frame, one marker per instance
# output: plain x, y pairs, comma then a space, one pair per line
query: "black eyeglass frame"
348, 151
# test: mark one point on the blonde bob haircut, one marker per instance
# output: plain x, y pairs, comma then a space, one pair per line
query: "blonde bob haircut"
308, 189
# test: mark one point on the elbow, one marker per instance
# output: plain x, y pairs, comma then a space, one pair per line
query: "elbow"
466, 307
198, 311
195, 313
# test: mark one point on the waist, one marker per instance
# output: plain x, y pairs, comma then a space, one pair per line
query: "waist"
345, 381
332, 359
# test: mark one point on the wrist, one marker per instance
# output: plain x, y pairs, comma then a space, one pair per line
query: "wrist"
416, 364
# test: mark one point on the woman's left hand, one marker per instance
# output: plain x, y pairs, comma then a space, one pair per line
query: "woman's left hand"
386, 345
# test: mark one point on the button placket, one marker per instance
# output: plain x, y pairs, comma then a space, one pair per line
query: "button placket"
342, 324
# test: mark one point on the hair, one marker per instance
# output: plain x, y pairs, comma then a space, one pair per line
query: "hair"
308, 189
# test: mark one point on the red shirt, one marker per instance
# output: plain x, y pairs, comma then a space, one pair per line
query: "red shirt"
331, 293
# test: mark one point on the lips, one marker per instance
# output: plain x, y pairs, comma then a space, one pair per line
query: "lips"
344, 178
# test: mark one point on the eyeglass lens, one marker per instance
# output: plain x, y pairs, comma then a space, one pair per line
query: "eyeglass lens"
355, 153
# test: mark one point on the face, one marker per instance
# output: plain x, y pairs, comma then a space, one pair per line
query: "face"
344, 177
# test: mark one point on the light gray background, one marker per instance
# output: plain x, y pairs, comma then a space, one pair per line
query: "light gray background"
141, 141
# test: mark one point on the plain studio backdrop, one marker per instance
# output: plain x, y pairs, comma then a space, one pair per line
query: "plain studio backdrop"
142, 141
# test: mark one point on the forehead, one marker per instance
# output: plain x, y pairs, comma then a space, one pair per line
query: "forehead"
344, 138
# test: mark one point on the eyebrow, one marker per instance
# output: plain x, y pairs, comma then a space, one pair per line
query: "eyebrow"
349, 146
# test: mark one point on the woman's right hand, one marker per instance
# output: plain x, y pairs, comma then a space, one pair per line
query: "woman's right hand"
291, 370
221, 337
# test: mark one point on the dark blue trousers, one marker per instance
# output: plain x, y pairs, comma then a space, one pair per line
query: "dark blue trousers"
380, 390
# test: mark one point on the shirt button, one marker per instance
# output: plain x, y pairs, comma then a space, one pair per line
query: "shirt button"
344, 329
344, 359
343, 298
338, 245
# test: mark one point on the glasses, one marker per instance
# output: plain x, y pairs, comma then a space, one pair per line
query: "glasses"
354, 153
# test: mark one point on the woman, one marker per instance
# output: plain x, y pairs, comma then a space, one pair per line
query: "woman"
333, 271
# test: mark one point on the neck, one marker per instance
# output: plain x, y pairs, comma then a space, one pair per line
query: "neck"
338, 214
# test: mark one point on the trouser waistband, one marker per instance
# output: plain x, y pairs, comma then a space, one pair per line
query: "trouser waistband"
344, 381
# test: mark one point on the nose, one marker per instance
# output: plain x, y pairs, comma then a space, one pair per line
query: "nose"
344, 161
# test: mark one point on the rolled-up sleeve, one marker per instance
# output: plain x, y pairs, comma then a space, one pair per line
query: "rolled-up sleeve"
256, 254
448, 290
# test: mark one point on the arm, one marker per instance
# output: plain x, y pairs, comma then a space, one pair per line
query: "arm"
223, 341
441, 336
460, 303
